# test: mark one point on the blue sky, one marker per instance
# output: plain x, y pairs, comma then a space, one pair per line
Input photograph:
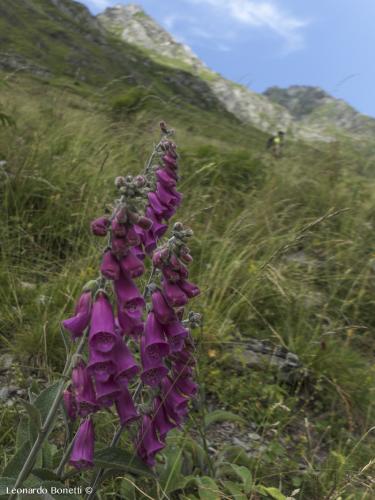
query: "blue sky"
260, 43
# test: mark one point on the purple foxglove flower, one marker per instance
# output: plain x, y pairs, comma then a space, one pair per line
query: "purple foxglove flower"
131, 325
110, 267
165, 178
154, 370
132, 237
163, 312
128, 297
148, 444
145, 223
185, 256
175, 404
169, 213
70, 403
182, 371
100, 226
174, 294
119, 246
127, 367
176, 334
189, 288
170, 274
102, 336
118, 229
154, 341
161, 421
131, 265
179, 266
186, 386
84, 390
185, 358
80, 321
170, 161
160, 257
149, 241
155, 204
125, 407
82, 455
107, 392
158, 229
169, 197
139, 253
171, 172
101, 365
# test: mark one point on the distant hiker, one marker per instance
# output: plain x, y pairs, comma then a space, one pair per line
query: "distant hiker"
275, 144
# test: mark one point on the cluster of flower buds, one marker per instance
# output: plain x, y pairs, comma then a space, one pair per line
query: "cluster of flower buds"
112, 309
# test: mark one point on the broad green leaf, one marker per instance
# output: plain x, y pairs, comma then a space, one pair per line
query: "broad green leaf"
221, 416
6, 482
235, 490
171, 478
35, 420
16, 463
115, 458
48, 452
45, 475
235, 454
197, 452
207, 488
45, 400
245, 475
272, 492
23, 432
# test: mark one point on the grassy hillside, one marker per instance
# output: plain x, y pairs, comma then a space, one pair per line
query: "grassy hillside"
284, 254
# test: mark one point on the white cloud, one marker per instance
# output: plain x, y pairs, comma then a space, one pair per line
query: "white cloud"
262, 14
99, 4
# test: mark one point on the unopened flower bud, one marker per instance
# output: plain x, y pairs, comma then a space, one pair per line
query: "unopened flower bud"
120, 181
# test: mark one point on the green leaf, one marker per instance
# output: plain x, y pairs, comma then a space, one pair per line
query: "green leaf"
6, 482
235, 490
16, 463
35, 419
221, 416
115, 458
45, 400
171, 478
45, 475
207, 488
48, 452
272, 492
245, 475
23, 432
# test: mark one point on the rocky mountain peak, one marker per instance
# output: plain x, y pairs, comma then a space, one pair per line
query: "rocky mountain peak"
133, 25
300, 100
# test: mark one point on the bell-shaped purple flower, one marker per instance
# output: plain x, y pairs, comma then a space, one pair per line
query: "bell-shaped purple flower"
178, 266
101, 365
84, 390
166, 196
118, 229
132, 237
80, 321
175, 403
119, 246
186, 386
158, 228
174, 294
125, 407
163, 312
155, 344
176, 334
82, 456
170, 274
131, 325
164, 177
161, 421
154, 370
145, 223
107, 392
189, 288
170, 161
156, 205
100, 226
139, 253
110, 267
149, 241
127, 367
70, 403
131, 265
128, 297
102, 336
148, 444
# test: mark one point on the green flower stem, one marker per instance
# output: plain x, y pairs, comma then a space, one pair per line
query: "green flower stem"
50, 419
